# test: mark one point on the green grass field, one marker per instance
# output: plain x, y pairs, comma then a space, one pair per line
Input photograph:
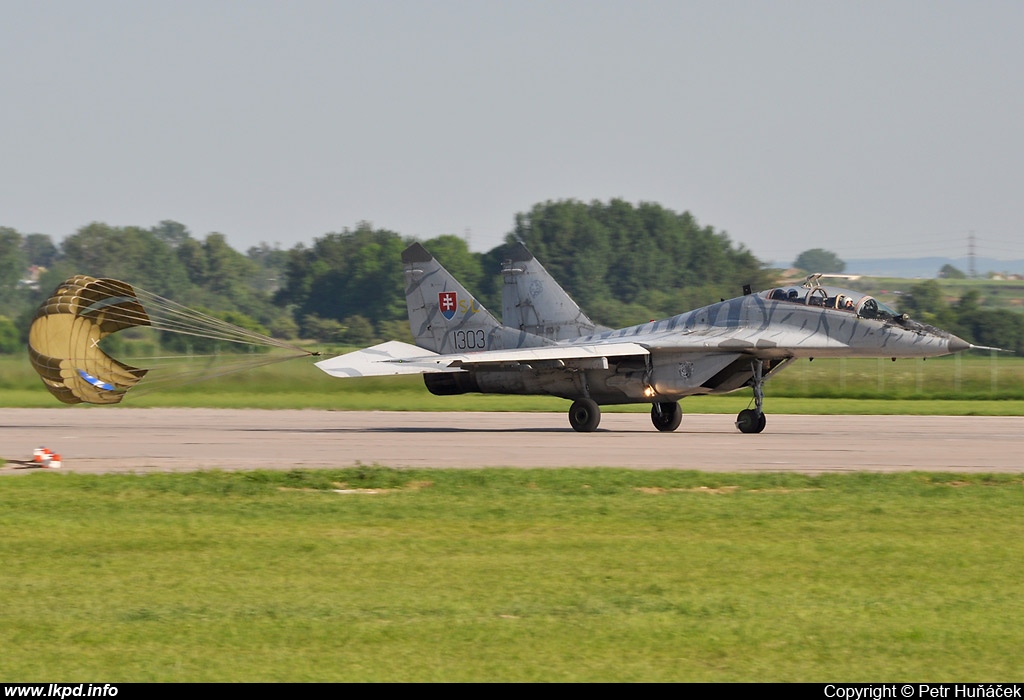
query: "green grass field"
511, 575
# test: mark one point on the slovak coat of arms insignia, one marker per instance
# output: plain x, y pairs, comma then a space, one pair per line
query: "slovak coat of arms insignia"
447, 302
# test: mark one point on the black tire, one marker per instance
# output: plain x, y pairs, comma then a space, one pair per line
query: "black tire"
750, 421
666, 416
584, 416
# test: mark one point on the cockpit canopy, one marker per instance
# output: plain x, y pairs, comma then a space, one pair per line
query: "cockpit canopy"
813, 293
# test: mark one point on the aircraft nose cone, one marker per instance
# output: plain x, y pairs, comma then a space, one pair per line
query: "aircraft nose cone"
957, 344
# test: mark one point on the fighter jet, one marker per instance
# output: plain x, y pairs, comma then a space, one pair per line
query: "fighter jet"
548, 346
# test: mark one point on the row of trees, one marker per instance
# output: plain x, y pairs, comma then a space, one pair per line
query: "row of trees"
623, 263
165, 260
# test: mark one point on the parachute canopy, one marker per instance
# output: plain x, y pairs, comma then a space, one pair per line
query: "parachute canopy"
65, 334
64, 341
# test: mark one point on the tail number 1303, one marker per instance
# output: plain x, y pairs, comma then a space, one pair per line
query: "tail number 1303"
469, 340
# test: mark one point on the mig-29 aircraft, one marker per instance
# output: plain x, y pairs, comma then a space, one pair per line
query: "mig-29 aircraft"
548, 346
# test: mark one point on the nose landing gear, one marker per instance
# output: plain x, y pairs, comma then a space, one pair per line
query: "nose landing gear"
752, 420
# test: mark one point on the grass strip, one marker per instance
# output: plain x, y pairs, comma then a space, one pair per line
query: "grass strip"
375, 574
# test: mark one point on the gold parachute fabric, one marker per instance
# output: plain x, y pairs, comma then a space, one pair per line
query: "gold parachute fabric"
65, 334
64, 341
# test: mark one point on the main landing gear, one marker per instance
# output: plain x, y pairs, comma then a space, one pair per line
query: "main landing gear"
752, 420
666, 416
584, 415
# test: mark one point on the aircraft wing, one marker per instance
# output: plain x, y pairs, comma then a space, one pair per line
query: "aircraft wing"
394, 357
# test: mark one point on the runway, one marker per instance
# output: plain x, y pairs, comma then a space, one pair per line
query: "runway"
99, 440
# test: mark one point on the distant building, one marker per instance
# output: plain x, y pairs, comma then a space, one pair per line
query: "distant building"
31, 278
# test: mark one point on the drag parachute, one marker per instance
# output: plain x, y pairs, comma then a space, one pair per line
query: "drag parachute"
64, 339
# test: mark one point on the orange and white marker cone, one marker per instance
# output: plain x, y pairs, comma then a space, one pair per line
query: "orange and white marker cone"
55, 462
37, 454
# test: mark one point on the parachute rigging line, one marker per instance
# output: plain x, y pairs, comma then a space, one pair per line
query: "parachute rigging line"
181, 375
166, 315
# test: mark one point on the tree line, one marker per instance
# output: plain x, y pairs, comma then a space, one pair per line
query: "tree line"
623, 263
926, 302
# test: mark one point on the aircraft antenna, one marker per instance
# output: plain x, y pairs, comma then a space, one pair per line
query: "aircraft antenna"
970, 256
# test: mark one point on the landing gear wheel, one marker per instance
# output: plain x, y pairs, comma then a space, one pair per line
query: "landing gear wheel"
666, 416
750, 421
584, 416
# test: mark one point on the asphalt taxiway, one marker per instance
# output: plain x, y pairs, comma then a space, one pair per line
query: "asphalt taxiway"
143, 440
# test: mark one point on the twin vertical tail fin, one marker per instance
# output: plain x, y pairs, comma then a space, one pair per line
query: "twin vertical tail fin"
533, 302
445, 318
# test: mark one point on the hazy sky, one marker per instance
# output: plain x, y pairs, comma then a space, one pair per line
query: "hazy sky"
873, 129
